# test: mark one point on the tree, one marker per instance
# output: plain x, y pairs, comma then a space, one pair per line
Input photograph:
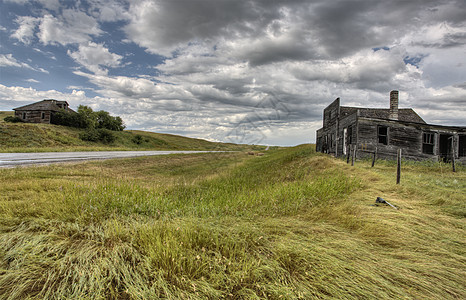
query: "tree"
105, 120
86, 118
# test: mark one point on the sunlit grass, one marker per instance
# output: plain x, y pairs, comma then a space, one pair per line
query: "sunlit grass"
28, 137
286, 225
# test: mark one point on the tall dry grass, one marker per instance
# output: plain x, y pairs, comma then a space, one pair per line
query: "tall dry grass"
287, 225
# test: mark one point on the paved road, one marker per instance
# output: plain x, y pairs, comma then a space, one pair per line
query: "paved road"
21, 159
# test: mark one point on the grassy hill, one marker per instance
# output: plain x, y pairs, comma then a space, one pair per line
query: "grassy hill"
292, 224
24, 137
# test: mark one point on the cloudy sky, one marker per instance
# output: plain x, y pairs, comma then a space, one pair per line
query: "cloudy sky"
252, 71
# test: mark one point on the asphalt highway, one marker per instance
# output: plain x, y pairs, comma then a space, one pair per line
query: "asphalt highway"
8, 160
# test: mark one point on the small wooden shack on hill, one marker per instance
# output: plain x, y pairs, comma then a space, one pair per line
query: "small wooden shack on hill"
42, 111
386, 130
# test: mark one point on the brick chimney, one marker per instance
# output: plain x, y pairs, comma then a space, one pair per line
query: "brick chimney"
393, 115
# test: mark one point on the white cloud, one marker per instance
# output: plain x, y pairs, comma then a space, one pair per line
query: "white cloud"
73, 26
50, 4
109, 10
95, 56
122, 86
17, 1
12, 94
25, 31
7, 60
247, 69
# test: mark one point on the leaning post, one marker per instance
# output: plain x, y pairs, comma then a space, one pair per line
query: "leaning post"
398, 166
373, 158
453, 155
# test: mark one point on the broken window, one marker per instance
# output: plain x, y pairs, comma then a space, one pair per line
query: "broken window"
382, 134
428, 142
462, 146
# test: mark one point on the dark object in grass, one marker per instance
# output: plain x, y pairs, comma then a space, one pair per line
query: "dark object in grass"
381, 200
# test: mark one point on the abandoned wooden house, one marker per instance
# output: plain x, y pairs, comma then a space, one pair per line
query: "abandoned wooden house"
369, 130
42, 111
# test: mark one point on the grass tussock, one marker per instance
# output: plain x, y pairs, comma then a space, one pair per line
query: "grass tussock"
291, 224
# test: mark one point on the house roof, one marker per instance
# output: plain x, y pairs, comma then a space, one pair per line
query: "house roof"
47, 105
404, 114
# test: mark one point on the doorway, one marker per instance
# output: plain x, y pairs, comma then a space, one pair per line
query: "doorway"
445, 141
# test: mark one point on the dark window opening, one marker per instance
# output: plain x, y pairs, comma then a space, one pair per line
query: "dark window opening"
445, 143
428, 143
42, 116
350, 135
325, 145
462, 146
24, 116
382, 134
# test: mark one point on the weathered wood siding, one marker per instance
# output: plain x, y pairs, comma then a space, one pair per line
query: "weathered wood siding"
363, 132
408, 138
327, 138
34, 116
331, 113
404, 136
348, 122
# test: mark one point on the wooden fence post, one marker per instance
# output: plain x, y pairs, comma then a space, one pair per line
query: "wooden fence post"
453, 155
398, 166
373, 158
348, 153
353, 152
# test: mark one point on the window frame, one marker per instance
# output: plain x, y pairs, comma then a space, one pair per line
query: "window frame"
428, 142
462, 145
383, 136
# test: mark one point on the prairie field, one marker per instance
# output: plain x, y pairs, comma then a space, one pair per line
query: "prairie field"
30, 137
291, 224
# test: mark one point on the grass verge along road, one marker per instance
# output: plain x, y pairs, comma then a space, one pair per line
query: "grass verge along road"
21, 159
291, 224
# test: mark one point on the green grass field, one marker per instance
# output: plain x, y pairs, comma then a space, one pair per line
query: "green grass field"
292, 224
27, 137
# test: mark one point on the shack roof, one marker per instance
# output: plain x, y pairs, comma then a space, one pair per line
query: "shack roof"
44, 105
404, 114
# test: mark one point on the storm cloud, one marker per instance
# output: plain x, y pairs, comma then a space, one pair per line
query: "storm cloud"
214, 68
